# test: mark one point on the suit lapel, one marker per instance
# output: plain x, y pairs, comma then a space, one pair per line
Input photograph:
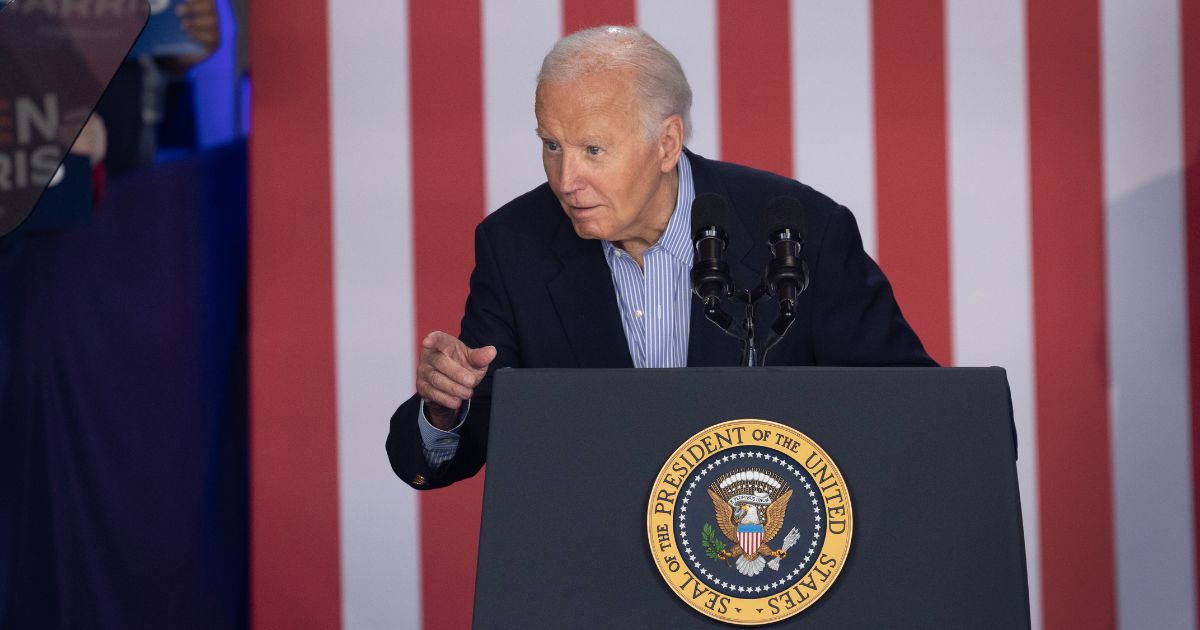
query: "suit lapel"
586, 303
708, 345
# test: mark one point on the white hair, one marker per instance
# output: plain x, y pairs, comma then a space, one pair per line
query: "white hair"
659, 82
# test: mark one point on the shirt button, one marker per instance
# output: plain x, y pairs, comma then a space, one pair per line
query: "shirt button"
419, 480
638, 313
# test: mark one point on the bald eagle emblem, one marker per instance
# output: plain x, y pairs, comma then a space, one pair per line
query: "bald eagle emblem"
750, 505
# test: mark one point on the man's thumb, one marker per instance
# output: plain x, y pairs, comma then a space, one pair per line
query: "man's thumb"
480, 358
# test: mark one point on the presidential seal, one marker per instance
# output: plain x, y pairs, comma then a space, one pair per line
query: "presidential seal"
749, 522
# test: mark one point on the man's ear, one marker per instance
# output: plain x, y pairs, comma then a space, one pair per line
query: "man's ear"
670, 142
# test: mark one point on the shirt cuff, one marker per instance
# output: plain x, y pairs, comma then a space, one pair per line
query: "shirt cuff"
440, 446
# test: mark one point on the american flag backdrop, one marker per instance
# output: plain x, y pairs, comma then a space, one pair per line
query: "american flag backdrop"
1027, 173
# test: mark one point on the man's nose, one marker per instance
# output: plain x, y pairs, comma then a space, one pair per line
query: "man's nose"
571, 176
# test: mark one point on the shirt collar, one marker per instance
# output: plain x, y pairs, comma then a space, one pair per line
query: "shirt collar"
676, 239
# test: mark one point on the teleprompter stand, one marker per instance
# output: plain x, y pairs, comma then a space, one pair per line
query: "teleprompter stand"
928, 455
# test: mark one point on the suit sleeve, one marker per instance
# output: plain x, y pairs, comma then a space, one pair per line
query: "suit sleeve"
857, 321
487, 320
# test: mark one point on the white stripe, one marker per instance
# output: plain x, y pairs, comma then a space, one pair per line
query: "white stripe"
991, 268
688, 28
833, 103
1147, 314
368, 46
516, 35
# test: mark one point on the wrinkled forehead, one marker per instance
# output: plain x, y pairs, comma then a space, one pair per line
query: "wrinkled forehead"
596, 90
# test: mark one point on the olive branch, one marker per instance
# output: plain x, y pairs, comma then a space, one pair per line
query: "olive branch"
712, 544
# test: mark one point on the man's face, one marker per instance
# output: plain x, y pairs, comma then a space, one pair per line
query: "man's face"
607, 175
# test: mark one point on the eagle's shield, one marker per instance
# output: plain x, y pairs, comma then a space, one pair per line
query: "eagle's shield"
749, 537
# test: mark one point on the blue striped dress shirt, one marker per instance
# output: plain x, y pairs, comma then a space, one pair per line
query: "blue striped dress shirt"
655, 304
655, 301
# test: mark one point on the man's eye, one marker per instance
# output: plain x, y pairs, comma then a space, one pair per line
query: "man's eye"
551, 146
594, 150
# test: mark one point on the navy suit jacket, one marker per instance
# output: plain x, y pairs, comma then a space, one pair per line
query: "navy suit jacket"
545, 298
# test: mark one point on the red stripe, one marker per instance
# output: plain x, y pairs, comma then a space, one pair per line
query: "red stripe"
910, 164
1190, 43
754, 75
1071, 353
448, 202
580, 14
294, 541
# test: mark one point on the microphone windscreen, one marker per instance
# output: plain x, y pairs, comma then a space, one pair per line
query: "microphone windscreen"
785, 212
709, 209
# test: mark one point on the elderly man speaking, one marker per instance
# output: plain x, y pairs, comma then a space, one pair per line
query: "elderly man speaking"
591, 269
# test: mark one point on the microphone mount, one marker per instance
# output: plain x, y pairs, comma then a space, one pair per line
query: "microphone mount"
785, 279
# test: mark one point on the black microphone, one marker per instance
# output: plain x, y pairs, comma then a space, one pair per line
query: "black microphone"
787, 276
710, 272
